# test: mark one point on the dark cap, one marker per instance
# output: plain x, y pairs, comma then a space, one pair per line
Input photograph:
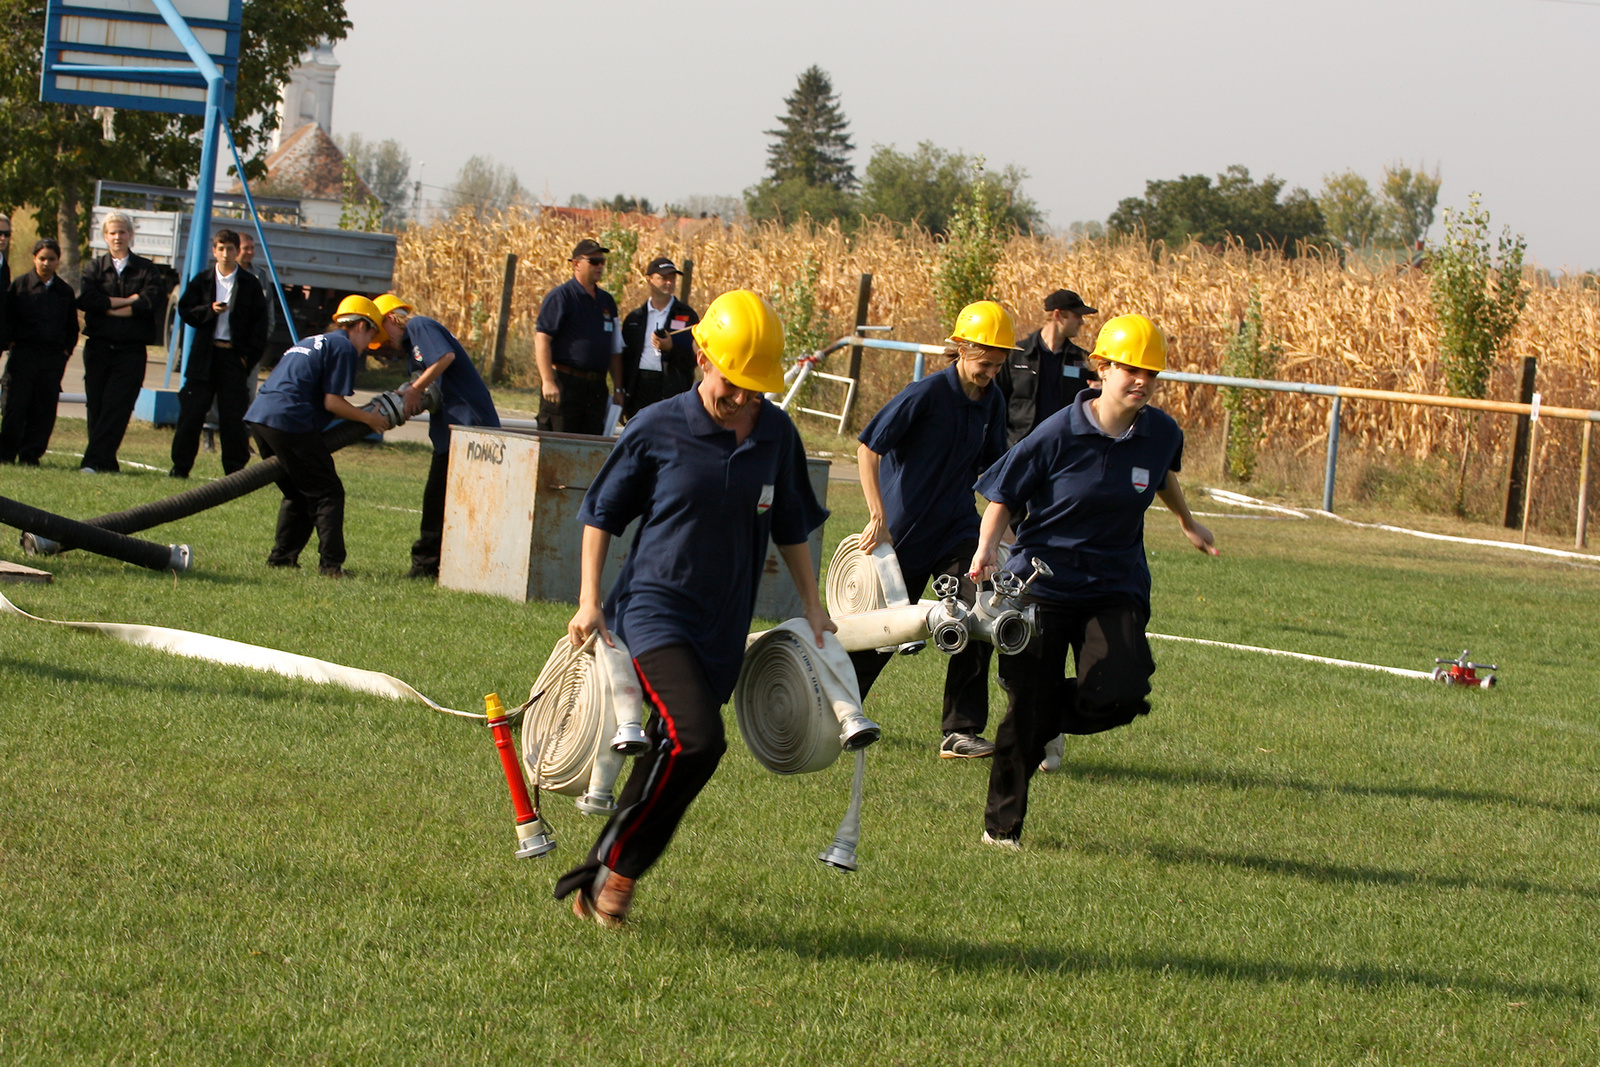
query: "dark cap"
662, 265
1067, 300
589, 247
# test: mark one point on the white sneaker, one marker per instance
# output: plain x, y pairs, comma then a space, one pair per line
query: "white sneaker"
1053, 750
1003, 842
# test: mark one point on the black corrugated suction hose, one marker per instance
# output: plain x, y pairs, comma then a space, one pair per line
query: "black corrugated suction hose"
73, 534
204, 497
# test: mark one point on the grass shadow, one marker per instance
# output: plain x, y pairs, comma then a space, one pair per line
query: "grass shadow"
974, 957
1331, 873
1090, 772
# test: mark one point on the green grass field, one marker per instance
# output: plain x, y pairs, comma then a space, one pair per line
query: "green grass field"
1283, 863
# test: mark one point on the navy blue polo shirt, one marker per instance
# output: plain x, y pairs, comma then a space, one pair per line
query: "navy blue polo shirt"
294, 396
934, 441
584, 330
707, 507
466, 398
1085, 496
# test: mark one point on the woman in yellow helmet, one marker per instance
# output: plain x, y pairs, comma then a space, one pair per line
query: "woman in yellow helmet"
306, 391
1077, 489
710, 474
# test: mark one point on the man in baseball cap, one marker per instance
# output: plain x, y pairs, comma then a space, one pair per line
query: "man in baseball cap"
657, 357
578, 341
1047, 371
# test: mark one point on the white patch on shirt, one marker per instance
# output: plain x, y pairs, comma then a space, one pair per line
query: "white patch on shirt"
765, 503
1141, 479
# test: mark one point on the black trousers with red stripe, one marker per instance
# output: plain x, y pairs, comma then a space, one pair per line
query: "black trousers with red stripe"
687, 741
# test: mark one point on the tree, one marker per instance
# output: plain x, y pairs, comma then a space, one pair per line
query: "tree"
808, 162
1192, 207
54, 152
1409, 200
812, 143
1478, 298
925, 186
970, 252
484, 187
386, 168
1350, 211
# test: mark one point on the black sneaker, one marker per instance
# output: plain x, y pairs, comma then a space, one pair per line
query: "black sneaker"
334, 572
431, 573
288, 564
965, 746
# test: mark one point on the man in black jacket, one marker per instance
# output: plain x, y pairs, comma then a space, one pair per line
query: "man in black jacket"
228, 311
124, 300
1048, 371
5, 274
43, 325
657, 358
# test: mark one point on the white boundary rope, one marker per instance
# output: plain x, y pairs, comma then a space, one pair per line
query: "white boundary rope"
256, 657
1240, 500
1399, 671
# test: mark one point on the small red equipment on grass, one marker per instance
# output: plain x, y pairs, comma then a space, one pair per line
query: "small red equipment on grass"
1460, 672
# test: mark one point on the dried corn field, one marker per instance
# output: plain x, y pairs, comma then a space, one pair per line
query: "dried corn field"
1351, 325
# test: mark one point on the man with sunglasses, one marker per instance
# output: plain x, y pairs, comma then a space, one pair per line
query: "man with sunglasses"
577, 343
918, 458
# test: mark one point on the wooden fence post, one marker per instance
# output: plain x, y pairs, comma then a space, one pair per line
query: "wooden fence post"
686, 279
497, 366
1583, 487
1517, 483
863, 300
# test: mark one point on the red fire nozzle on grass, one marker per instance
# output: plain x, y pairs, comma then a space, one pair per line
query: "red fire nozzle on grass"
533, 837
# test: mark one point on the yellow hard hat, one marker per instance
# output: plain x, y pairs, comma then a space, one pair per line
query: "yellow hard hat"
1133, 341
385, 304
355, 304
742, 337
985, 323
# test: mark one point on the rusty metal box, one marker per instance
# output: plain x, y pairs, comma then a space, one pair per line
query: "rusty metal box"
511, 519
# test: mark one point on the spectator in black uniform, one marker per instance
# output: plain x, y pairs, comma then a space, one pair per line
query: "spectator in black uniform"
228, 311
42, 317
577, 341
1048, 371
124, 300
657, 356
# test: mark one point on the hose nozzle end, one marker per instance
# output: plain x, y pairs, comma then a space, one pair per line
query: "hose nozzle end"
534, 839
859, 732
630, 740
841, 855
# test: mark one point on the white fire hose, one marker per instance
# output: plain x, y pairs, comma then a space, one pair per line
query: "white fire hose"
798, 706
580, 720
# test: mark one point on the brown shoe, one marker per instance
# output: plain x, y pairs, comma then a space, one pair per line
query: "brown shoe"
610, 907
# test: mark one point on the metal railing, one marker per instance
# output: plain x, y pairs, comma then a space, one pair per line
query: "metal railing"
806, 367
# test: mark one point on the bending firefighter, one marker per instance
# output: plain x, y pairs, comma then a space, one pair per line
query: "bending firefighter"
710, 474
435, 356
1078, 487
918, 458
306, 391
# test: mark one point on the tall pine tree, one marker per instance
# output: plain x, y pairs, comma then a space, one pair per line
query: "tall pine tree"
812, 144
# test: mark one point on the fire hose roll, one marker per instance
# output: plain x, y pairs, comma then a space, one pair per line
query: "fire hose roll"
799, 706
861, 581
581, 718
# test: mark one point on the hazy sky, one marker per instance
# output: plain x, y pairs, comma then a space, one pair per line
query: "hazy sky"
670, 100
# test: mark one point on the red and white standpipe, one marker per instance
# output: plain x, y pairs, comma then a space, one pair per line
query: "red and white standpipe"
533, 836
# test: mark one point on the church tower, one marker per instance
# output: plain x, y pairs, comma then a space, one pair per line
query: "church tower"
308, 95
